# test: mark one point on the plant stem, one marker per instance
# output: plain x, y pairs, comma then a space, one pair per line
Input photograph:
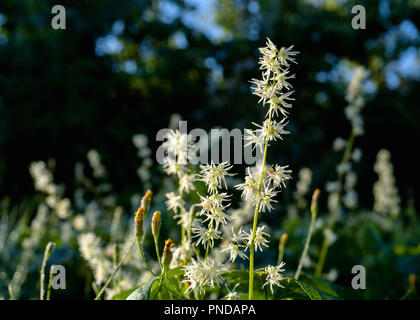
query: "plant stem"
48, 249
157, 251
282, 244
50, 283
11, 294
208, 242
314, 211
144, 258
254, 226
333, 216
122, 261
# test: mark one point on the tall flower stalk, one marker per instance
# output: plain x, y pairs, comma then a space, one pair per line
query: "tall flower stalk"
356, 102
178, 147
274, 91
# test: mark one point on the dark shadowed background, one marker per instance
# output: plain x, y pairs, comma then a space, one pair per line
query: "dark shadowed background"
124, 67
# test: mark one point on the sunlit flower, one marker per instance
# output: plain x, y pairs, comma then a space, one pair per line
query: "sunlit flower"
232, 294
279, 175
234, 251
214, 175
249, 187
266, 199
274, 276
199, 274
206, 235
260, 238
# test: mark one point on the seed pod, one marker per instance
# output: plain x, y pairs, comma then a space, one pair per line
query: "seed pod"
138, 224
156, 224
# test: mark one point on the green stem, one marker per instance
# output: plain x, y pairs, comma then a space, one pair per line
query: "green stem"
144, 258
11, 294
50, 283
333, 216
48, 249
281, 251
208, 242
157, 251
120, 264
308, 240
254, 227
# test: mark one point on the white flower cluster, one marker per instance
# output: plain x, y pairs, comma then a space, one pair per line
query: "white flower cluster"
199, 274
177, 146
143, 152
90, 248
213, 208
214, 204
387, 200
356, 100
241, 241
273, 179
350, 198
274, 276
94, 160
302, 187
274, 90
43, 180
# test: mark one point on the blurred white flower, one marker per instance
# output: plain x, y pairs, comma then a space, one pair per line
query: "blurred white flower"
186, 182
174, 201
387, 199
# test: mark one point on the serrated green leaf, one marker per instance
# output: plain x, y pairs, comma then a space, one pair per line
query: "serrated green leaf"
143, 292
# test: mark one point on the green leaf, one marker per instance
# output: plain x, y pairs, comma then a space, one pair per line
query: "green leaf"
143, 292
175, 272
312, 293
124, 294
321, 285
296, 290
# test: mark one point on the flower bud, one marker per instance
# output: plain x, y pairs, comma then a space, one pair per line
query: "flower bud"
283, 239
138, 224
314, 203
156, 224
167, 253
49, 249
412, 282
145, 201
